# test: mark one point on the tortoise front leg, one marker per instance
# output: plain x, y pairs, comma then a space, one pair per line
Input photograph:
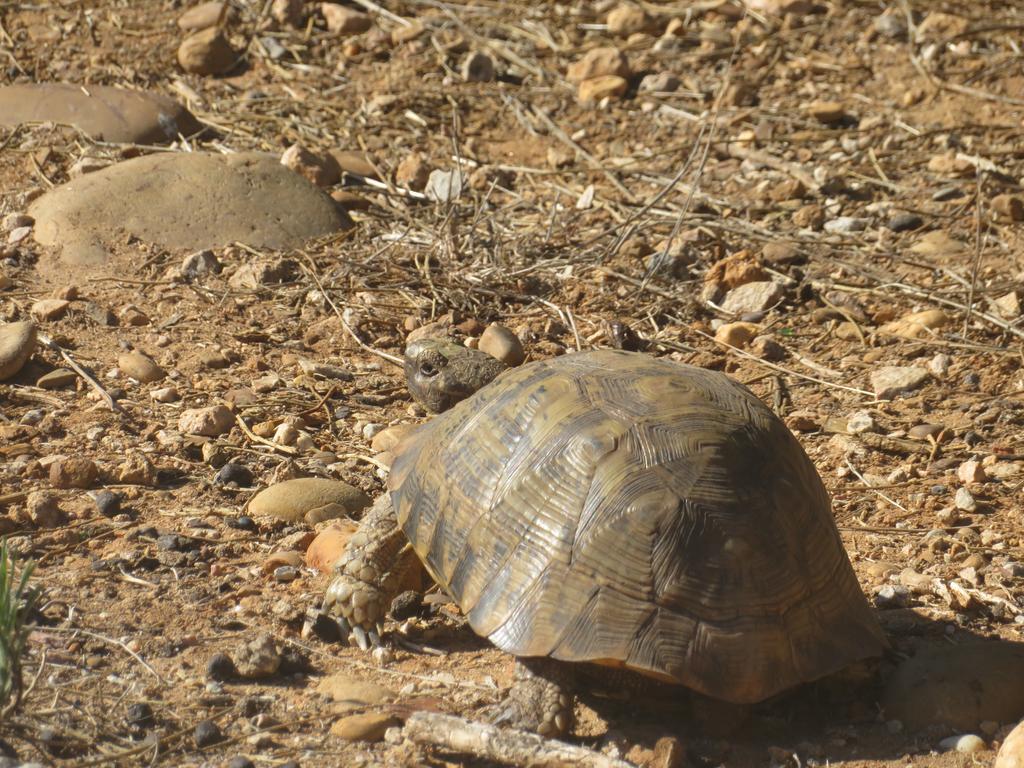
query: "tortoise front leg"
540, 699
375, 565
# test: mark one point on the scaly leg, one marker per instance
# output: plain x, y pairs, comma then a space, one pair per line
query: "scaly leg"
539, 700
376, 564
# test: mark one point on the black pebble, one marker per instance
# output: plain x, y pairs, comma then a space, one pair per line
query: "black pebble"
244, 523
239, 761
140, 716
972, 380
406, 605
207, 733
904, 222
108, 503
322, 626
220, 667
172, 542
239, 474
972, 438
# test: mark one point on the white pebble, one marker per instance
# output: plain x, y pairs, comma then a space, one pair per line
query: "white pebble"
967, 744
964, 500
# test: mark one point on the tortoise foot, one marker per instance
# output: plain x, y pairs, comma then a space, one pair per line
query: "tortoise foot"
358, 608
368, 575
537, 702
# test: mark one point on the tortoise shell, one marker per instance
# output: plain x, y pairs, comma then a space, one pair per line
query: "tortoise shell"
614, 508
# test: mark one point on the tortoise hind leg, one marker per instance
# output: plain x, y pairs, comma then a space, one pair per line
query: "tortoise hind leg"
540, 700
375, 565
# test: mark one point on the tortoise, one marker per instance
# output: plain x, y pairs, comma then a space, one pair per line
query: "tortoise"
611, 508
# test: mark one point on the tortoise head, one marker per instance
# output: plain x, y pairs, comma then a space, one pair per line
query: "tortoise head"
440, 373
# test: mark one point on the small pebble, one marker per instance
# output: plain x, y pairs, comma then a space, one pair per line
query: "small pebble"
140, 716
258, 657
108, 503
165, 395
846, 225
924, 431
905, 222
964, 500
206, 734
220, 667
241, 523
938, 366
860, 422
967, 744
499, 342
206, 52
892, 596
286, 573
239, 474
239, 761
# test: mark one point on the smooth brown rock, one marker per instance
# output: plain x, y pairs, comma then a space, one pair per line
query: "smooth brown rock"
369, 726
1011, 753
17, 342
352, 693
102, 112
828, 112
211, 422
202, 16
73, 472
598, 62
957, 686
319, 170
917, 324
350, 161
345, 21
57, 379
736, 334
298, 499
1008, 207
324, 551
140, 367
282, 557
49, 309
182, 200
500, 343
207, 52
605, 86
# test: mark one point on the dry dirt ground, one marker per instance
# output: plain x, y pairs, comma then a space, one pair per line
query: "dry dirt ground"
583, 225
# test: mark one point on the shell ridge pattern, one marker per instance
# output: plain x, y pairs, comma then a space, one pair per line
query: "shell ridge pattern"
539, 501
610, 507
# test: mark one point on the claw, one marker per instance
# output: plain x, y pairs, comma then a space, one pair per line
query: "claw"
374, 636
344, 628
360, 635
380, 628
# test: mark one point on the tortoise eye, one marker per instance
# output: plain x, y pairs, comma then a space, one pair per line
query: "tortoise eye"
428, 369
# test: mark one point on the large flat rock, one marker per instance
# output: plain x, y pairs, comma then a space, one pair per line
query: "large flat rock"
181, 200
103, 112
958, 686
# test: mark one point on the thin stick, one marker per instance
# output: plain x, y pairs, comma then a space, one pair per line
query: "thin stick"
105, 639
285, 449
977, 251
55, 347
311, 271
504, 745
779, 368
